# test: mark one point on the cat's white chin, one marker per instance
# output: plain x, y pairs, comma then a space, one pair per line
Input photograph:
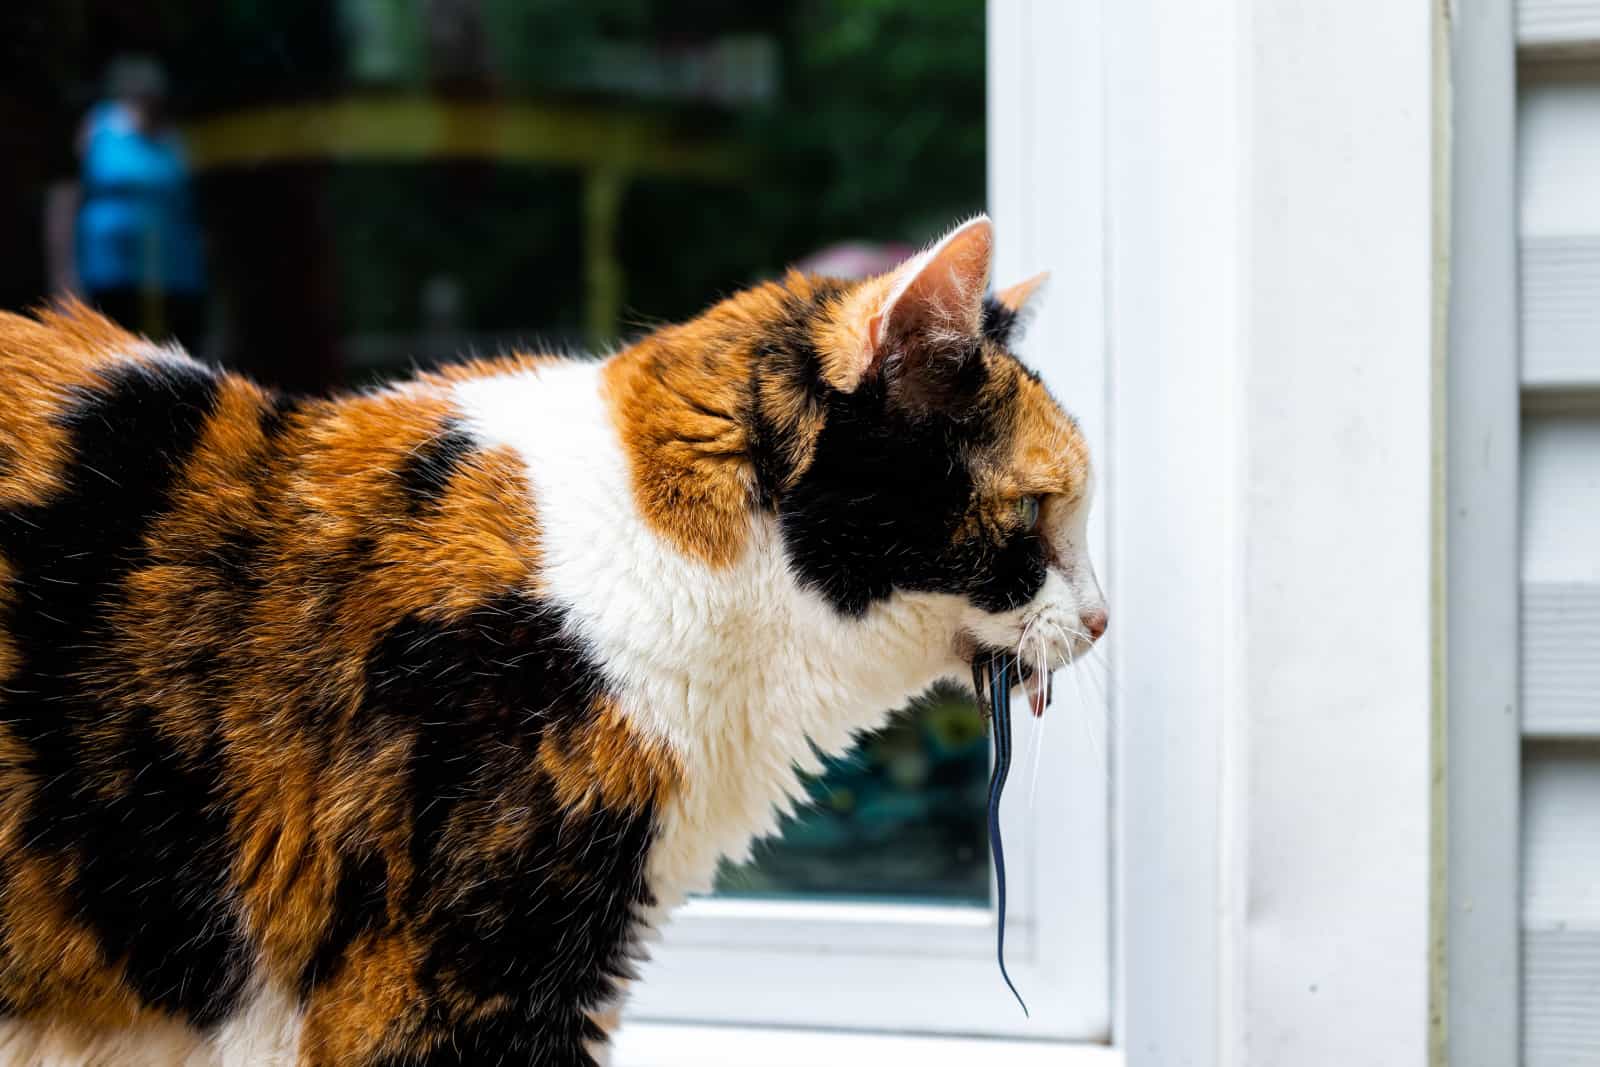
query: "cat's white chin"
1047, 635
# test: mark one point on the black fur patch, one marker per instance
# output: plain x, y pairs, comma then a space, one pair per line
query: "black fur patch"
426, 474
278, 417
547, 924
887, 489
1000, 323
153, 874
505, 1040
144, 828
236, 561
359, 905
880, 507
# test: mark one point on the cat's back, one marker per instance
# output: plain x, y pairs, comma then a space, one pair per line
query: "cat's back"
78, 389
222, 614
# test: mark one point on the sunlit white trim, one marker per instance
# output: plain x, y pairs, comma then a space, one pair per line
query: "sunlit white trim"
667, 1045
900, 929
711, 909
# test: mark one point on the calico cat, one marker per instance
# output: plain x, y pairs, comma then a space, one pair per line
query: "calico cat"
375, 731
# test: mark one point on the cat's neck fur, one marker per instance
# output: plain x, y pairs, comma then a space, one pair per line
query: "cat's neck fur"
656, 542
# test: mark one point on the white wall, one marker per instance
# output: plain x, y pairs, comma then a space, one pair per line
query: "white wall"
1272, 184
1338, 532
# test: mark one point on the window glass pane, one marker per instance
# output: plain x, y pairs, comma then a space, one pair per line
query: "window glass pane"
902, 817
328, 194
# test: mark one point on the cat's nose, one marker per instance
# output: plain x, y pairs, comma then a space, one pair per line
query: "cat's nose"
1094, 623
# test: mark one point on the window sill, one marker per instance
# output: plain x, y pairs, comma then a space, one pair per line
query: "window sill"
641, 1044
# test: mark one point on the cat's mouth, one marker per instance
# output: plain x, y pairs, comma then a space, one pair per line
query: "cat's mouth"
993, 667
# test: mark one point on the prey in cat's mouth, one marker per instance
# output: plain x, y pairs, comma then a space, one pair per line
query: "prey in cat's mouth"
996, 674
993, 675
1033, 678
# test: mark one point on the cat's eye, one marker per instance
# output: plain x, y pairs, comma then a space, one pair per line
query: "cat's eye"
1028, 512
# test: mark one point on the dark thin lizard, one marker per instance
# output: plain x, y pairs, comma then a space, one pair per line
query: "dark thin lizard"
996, 671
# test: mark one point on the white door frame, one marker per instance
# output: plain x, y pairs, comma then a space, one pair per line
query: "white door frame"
1275, 175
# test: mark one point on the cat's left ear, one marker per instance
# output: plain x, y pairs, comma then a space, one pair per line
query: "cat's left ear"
936, 298
916, 329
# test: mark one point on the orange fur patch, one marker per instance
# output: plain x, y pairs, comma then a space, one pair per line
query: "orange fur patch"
50, 966
45, 362
682, 423
369, 1009
1042, 454
9, 660
844, 338
608, 763
1049, 455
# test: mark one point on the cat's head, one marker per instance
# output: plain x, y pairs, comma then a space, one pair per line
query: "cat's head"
927, 458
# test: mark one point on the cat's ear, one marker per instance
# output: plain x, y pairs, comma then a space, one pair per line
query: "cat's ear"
1016, 297
934, 300
1005, 313
916, 329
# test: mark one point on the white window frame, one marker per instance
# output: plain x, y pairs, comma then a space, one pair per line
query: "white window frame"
931, 969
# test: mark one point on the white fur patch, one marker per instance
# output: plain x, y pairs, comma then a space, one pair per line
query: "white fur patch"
29, 1044
739, 670
265, 1033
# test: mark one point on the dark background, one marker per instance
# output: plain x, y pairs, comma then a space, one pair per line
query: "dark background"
856, 120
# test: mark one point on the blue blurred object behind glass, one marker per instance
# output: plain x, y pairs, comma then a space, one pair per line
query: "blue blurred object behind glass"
137, 242
137, 225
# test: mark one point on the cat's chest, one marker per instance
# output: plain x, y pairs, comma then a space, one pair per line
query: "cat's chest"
759, 694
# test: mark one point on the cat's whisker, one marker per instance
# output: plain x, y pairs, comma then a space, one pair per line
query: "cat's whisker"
1029, 632
1094, 741
1101, 674
1096, 657
1042, 647
1083, 705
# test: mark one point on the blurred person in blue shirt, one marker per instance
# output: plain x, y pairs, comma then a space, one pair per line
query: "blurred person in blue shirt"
137, 243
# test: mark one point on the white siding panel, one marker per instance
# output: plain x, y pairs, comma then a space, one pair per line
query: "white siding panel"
1561, 837
1559, 170
1561, 905
1561, 499
1560, 312
1560, 997
1558, 24
1561, 576
1561, 659
1559, 277
1558, 152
